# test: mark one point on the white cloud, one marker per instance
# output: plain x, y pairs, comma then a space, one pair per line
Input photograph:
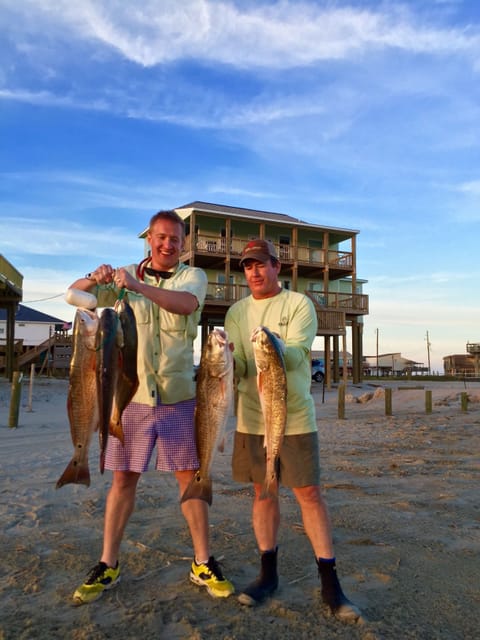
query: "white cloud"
279, 35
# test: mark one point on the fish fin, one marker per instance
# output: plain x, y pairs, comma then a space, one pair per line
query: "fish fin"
269, 489
199, 488
75, 473
115, 427
260, 382
102, 462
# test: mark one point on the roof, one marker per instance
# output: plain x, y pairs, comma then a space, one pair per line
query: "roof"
255, 213
27, 314
267, 216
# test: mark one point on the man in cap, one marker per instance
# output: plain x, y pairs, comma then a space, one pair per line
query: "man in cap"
292, 317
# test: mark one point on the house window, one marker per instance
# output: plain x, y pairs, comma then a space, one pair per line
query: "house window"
284, 248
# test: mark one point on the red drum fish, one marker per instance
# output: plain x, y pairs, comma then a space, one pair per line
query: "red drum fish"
272, 390
214, 405
82, 405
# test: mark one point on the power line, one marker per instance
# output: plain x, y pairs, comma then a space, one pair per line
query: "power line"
42, 299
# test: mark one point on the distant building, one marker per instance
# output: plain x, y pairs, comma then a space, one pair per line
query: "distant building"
460, 365
36, 335
388, 364
32, 327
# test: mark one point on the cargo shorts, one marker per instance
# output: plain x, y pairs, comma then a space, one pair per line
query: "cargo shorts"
299, 460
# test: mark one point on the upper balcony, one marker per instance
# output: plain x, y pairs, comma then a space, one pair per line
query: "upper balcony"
212, 251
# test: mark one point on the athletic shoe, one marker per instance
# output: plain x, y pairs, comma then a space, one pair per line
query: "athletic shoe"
209, 575
100, 578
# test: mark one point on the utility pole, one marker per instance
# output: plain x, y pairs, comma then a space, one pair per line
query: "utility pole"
376, 330
428, 354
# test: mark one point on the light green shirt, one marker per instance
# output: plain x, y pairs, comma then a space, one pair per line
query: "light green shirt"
292, 316
165, 339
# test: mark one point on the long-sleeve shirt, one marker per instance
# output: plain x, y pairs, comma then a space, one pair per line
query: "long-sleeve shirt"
292, 316
165, 339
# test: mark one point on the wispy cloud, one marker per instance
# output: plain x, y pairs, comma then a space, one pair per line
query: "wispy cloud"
279, 35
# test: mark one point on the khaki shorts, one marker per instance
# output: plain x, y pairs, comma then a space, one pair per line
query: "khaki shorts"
299, 460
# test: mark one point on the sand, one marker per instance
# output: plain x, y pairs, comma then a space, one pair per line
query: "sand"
402, 492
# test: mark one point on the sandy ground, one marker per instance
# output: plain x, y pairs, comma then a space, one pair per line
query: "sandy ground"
403, 496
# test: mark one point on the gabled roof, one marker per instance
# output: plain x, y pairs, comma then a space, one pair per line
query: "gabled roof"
266, 216
27, 314
198, 205
209, 207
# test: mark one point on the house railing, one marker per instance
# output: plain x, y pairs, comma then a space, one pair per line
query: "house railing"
343, 302
213, 244
346, 301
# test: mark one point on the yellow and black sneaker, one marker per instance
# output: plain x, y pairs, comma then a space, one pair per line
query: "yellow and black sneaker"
209, 575
100, 578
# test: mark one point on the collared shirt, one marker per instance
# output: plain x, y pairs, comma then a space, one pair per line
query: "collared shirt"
165, 339
291, 315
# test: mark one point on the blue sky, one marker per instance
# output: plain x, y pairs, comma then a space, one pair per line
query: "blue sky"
362, 115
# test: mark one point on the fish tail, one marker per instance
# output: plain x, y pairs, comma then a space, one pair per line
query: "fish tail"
270, 485
269, 489
75, 473
200, 488
115, 429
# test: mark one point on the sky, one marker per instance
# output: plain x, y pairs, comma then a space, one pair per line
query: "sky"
361, 115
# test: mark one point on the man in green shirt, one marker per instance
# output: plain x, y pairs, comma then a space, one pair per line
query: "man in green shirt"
292, 317
166, 297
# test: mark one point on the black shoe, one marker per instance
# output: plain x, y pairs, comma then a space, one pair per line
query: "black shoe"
265, 584
258, 591
333, 597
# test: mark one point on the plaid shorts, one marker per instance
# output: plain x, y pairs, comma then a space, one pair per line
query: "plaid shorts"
169, 426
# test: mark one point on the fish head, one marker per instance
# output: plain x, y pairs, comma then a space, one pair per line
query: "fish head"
266, 346
86, 322
217, 355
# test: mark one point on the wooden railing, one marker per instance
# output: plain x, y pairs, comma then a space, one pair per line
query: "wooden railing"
343, 302
213, 244
346, 301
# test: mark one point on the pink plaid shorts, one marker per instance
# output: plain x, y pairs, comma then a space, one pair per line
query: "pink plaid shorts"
168, 426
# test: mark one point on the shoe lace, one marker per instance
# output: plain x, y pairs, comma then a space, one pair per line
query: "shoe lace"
95, 573
214, 568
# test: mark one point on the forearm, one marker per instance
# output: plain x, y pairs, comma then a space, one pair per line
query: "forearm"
180, 302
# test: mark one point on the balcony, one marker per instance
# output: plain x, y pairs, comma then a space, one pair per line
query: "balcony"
211, 251
350, 303
221, 296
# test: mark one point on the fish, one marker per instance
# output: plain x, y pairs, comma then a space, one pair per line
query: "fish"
214, 401
127, 379
109, 345
272, 390
82, 405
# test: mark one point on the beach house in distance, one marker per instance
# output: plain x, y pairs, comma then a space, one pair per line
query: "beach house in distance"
317, 260
40, 339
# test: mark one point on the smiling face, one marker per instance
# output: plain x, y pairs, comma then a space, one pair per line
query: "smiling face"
262, 278
165, 238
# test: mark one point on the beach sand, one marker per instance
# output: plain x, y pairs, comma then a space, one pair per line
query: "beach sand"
402, 492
